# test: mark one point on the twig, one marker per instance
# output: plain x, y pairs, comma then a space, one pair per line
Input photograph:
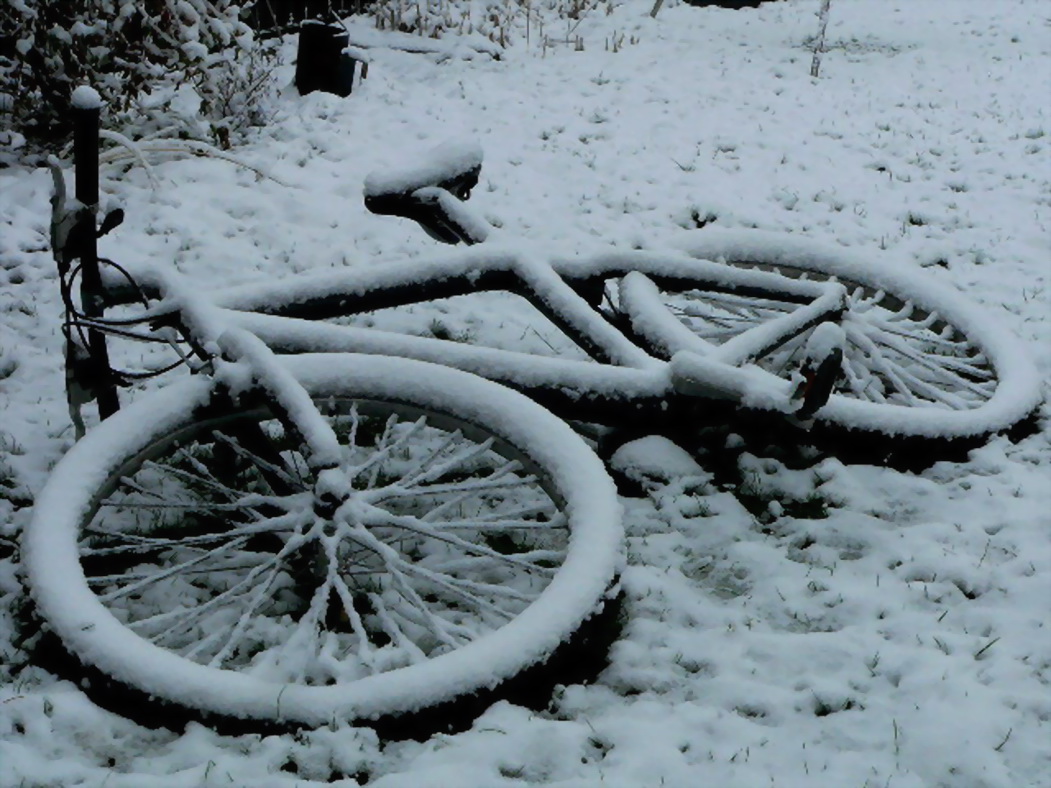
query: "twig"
986, 647
135, 150
819, 44
185, 147
1000, 746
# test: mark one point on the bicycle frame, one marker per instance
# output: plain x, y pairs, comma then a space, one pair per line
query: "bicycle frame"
643, 363
625, 384
571, 293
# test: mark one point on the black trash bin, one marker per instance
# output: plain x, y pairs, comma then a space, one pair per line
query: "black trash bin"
321, 63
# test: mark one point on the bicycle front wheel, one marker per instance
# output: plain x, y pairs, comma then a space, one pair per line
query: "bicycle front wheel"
920, 361
178, 549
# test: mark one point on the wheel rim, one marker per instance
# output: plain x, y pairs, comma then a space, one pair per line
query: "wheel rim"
578, 588
998, 403
897, 352
445, 536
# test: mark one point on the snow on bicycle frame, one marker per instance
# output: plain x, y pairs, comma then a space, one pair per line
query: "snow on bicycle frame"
730, 315
913, 359
885, 352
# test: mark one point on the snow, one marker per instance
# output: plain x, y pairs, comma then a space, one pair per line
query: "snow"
439, 164
477, 228
364, 34
707, 378
748, 346
655, 457
1019, 390
883, 628
518, 369
86, 97
825, 340
267, 372
641, 300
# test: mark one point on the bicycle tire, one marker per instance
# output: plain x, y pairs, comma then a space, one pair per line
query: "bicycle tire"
945, 368
483, 535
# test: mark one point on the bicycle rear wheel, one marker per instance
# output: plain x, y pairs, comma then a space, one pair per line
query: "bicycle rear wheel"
177, 549
920, 361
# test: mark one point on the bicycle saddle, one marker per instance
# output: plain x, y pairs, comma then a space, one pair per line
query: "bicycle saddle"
415, 191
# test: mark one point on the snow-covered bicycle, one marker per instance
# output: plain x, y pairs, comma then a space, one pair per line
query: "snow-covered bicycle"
367, 527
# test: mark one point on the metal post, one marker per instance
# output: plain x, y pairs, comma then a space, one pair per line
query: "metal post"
87, 110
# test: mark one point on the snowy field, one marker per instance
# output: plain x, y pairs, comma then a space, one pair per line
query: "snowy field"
837, 626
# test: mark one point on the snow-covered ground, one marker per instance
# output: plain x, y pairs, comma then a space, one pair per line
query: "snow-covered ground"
839, 626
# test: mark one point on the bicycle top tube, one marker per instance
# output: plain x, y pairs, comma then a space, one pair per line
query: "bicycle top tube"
549, 284
486, 267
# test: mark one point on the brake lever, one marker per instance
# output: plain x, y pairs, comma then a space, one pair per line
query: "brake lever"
64, 215
110, 222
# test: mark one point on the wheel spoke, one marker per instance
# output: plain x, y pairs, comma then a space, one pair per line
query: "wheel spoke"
165, 574
374, 464
186, 617
396, 568
389, 622
456, 462
898, 352
746, 304
418, 613
959, 356
144, 544
453, 589
210, 482
270, 467
862, 383
446, 537
907, 384
941, 368
418, 526
238, 632
383, 448
346, 599
467, 487
429, 459
951, 347
498, 527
